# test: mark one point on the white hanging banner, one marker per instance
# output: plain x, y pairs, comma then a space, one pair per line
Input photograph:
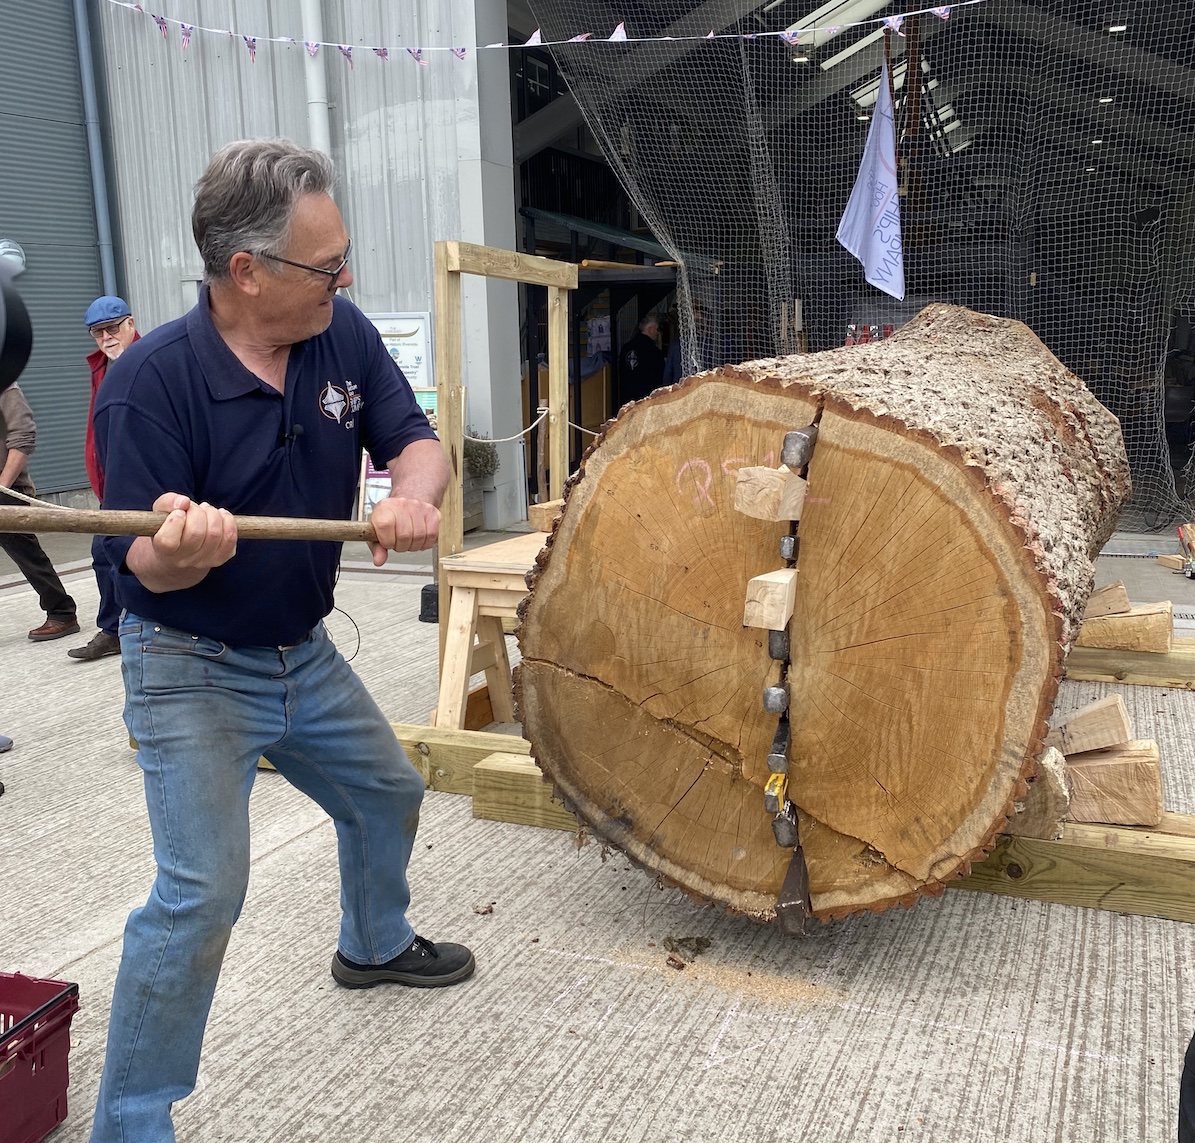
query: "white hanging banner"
870, 226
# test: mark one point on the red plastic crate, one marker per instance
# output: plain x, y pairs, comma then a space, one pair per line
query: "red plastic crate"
35, 1027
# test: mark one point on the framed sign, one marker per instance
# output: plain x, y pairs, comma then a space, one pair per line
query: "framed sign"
408, 340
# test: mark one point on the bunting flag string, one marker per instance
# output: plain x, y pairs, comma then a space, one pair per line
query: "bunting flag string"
620, 35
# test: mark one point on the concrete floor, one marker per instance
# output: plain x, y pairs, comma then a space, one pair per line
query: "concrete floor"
967, 1018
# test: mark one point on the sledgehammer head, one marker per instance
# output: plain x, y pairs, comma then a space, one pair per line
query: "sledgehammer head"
16, 334
798, 447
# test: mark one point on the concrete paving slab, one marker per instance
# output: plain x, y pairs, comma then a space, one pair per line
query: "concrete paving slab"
966, 1018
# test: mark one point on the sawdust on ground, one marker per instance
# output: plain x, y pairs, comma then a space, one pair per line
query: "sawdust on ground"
705, 972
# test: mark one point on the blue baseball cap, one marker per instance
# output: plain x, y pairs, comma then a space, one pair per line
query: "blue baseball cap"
107, 308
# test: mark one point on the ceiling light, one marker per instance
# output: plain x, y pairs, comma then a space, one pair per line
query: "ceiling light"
1105, 99
1118, 28
834, 18
1096, 142
800, 59
1090, 170
863, 118
857, 46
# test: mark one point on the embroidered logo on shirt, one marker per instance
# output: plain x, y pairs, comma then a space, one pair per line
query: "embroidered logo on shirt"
333, 402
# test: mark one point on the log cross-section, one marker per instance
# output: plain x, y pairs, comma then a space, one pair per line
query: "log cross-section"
961, 484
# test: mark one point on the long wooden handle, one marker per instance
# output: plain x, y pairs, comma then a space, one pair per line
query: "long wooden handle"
100, 522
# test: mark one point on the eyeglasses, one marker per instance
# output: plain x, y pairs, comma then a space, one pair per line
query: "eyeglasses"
331, 275
99, 331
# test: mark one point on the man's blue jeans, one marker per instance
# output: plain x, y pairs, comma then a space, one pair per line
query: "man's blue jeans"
202, 712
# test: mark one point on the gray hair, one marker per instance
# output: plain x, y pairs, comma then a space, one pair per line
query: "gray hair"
246, 199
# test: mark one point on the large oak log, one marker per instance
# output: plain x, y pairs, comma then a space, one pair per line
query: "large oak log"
961, 485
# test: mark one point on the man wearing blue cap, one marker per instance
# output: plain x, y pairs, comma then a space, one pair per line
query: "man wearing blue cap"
110, 321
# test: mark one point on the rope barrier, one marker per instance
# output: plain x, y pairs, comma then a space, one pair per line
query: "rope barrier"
506, 440
33, 499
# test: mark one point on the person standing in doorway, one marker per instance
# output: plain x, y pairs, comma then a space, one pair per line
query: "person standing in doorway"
641, 362
110, 321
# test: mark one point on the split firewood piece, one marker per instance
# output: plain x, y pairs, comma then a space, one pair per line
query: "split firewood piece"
1111, 599
769, 493
1174, 563
1147, 627
770, 599
1104, 722
542, 517
1120, 785
1045, 807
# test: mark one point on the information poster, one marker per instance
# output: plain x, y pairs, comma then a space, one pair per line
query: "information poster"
408, 340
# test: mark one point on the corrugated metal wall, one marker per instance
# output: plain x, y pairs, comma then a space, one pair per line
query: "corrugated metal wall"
46, 205
421, 156
169, 109
395, 133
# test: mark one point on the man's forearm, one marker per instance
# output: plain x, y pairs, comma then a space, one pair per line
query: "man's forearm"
420, 472
14, 465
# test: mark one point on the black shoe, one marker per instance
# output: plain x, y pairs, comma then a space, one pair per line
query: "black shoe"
422, 965
102, 644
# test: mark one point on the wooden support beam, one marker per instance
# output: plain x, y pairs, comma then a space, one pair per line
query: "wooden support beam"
449, 412
497, 671
769, 493
770, 599
543, 516
1111, 599
456, 657
557, 423
446, 757
510, 788
1143, 668
1147, 627
1120, 784
492, 262
1120, 868
1104, 722
479, 711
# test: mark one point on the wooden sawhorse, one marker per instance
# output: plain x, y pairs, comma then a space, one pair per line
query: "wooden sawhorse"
484, 586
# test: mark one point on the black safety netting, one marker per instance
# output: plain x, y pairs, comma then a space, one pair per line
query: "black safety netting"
1046, 155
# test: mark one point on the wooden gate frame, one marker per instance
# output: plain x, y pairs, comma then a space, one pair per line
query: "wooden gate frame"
452, 259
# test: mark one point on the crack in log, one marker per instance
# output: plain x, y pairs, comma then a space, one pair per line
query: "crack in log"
707, 742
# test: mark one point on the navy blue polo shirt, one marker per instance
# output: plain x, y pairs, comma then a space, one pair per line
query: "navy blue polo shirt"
177, 412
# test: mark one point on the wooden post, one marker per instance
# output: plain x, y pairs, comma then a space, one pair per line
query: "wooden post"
449, 416
449, 413
557, 391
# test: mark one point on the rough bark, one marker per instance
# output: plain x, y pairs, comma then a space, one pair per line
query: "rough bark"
961, 485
